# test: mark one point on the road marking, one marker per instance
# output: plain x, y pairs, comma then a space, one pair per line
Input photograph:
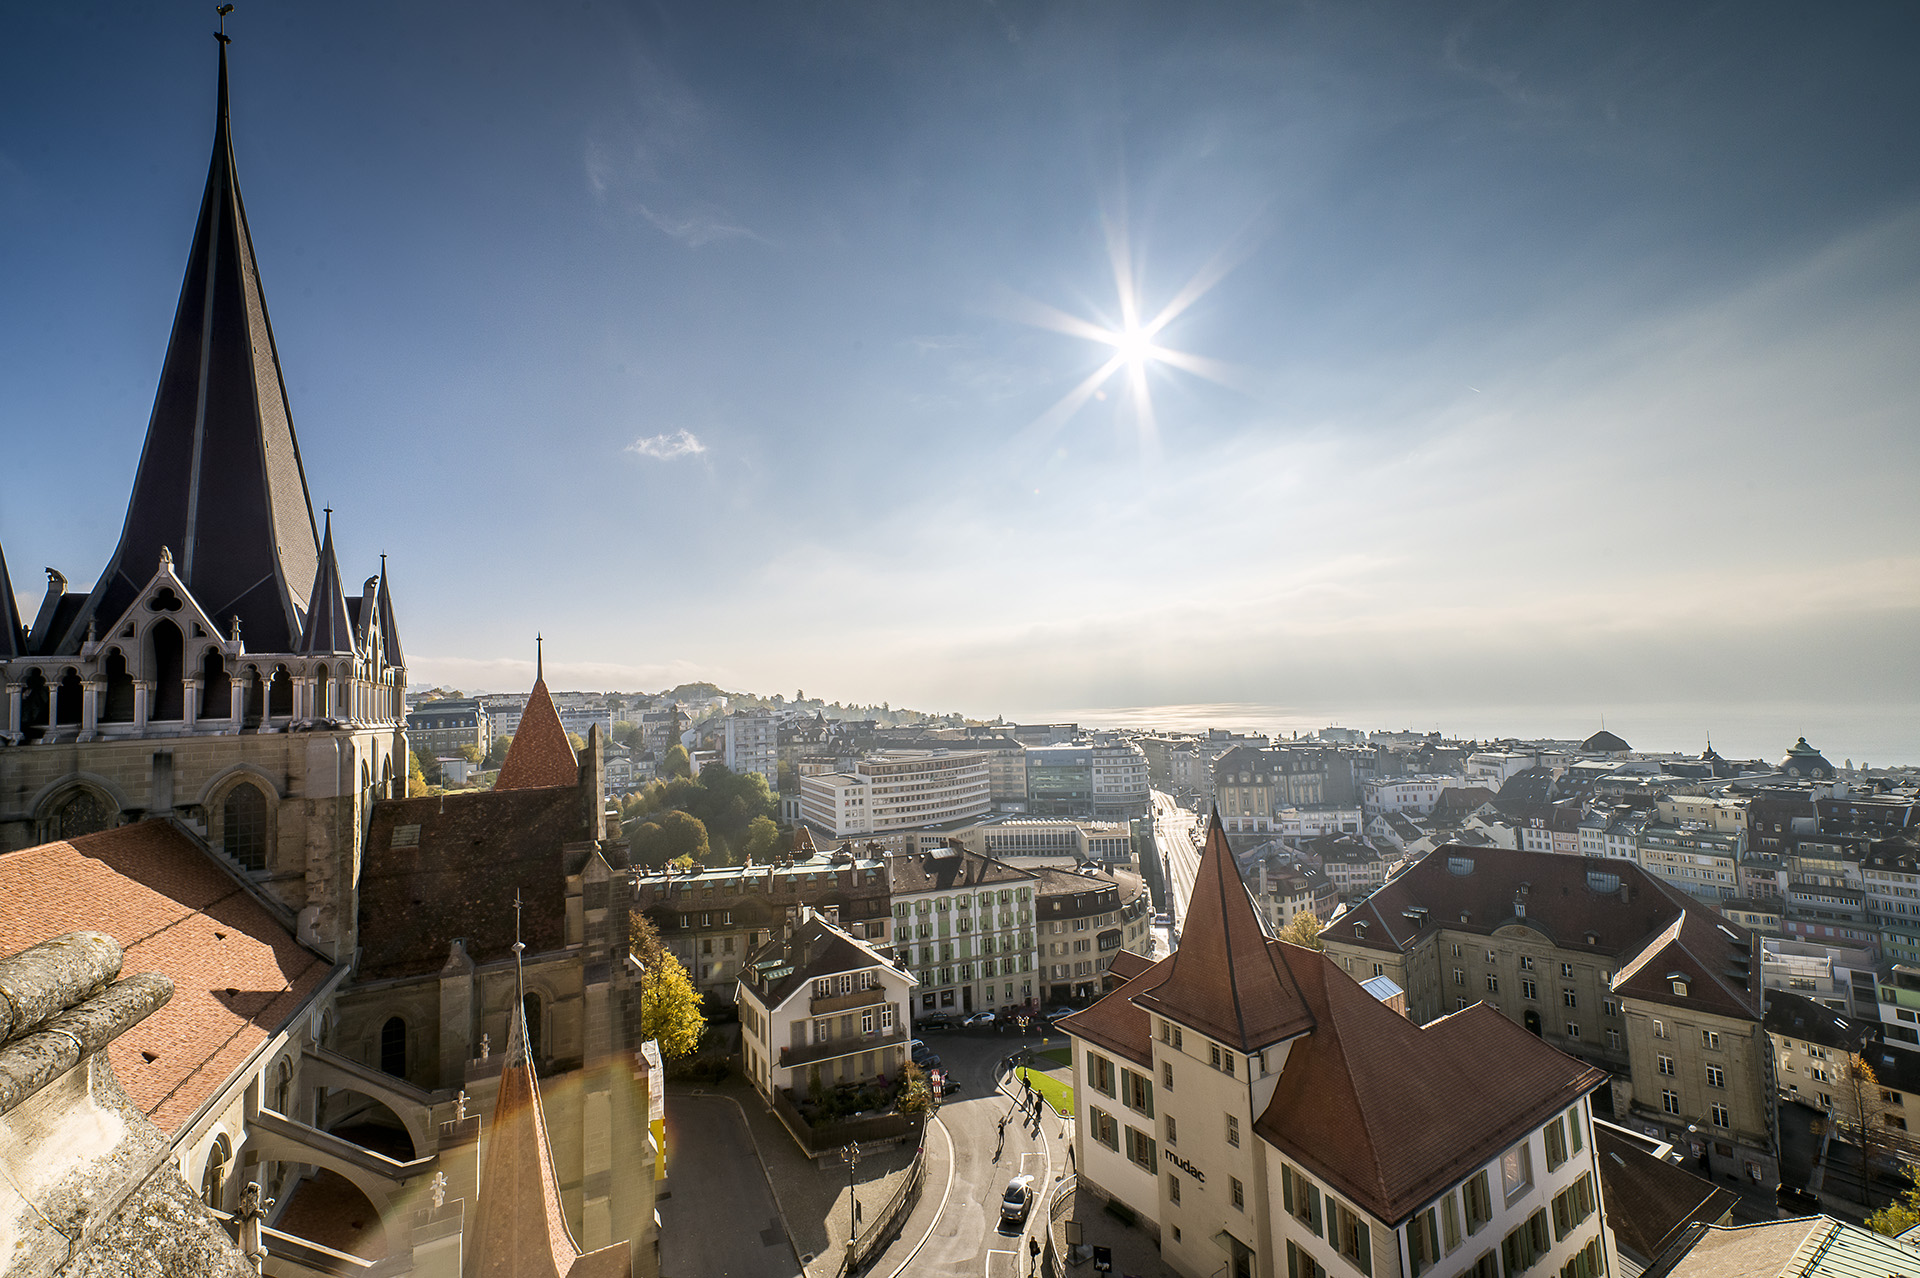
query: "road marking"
1008, 1266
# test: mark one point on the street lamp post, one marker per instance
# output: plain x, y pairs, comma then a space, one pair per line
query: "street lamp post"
850, 1155
1706, 1147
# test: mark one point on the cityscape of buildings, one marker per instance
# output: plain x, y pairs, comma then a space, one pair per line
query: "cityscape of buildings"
306, 971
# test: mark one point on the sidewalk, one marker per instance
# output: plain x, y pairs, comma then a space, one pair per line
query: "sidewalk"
1135, 1254
813, 1198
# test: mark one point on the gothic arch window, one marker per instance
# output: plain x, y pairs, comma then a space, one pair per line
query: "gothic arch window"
118, 704
168, 665
280, 693
67, 697
243, 826
322, 693
82, 812
253, 694
530, 1006
213, 1182
282, 1087
216, 690
36, 704
386, 780
393, 1047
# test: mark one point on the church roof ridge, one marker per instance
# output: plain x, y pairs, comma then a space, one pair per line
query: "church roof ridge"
220, 478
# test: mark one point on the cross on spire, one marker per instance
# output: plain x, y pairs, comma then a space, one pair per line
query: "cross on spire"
221, 35
539, 659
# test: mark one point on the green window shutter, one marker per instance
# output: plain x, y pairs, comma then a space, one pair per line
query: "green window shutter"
1313, 1209
1286, 1194
1363, 1233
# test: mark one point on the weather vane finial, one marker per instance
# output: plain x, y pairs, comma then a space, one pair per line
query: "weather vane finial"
221, 35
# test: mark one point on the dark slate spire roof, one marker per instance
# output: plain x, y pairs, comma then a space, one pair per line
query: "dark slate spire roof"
1224, 980
329, 627
220, 479
12, 640
389, 630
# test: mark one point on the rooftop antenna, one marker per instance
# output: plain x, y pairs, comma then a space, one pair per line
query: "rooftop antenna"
221, 35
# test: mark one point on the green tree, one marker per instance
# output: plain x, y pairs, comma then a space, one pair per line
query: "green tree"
670, 1010
1863, 1108
762, 837
627, 733
577, 741
671, 835
916, 1095
416, 779
429, 767
1903, 1213
497, 752
676, 764
1303, 929
472, 753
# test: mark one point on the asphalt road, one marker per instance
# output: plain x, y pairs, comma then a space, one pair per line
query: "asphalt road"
1173, 829
966, 1237
721, 1221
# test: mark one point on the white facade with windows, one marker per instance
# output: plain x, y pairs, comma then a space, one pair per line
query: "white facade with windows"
898, 790
752, 743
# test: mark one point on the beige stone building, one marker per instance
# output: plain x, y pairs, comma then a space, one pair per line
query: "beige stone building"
818, 1005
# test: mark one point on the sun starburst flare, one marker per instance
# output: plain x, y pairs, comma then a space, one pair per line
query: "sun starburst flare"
1136, 343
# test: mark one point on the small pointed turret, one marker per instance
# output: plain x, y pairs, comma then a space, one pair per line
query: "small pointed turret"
13, 640
519, 1228
220, 478
329, 627
540, 755
389, 629
1225, 980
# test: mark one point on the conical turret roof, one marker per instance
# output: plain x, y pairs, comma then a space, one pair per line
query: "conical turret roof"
1224, 980
540, 755
220, 479
12, 641
389, 629
329, 627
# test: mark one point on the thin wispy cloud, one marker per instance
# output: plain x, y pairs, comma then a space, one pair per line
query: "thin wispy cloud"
698, 227
680, 443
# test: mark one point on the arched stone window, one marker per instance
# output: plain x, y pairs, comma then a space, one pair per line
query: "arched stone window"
213, 1183
322, 693
253, 692
243, 826
280, 693
82, 812
168, 665
67, 698
216, 690
36, 704
282, 1087
530, 1005
118, 704
393, 1047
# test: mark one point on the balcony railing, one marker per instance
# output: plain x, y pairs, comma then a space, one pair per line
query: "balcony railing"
847, 1002
836, 1047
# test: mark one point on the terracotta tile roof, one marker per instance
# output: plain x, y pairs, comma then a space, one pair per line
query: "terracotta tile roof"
447, 865
782, 968
238, 974
1126, 965
540, 754
1567, 898
1117, 1022
1390, 1113
520, 1227
1718, 961
1649, 1200
1224, 980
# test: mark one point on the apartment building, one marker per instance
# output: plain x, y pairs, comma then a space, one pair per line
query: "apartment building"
1108, 842
441, 728
1601, 959
1415, 794
1083, 919
897, 790
819, 1006
712, 919
1699, 861
752, 745
964, 924
1092, 779
1262, 1114
1812, 1044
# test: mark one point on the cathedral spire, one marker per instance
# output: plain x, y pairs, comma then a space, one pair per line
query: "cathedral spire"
329, 628
540, 754
389, 629
12, 640
220, 479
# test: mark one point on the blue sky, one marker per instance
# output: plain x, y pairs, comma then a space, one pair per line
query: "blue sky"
1561, 357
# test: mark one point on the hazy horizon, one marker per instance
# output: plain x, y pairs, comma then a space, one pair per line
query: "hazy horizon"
1539, 358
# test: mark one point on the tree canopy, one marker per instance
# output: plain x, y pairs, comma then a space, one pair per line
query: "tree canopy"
676, 764
670, 1010
1303, 929
497, 752
728, 805
668, 837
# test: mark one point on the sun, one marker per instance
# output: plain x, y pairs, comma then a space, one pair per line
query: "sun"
1135, 343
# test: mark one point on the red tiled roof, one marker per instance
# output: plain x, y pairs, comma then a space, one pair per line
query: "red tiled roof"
540, 754
238, 974
1126, 965
1117, 1022
1224, 981
1390, 1113
520, 1228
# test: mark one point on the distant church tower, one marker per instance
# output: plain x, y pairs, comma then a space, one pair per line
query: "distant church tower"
219, 672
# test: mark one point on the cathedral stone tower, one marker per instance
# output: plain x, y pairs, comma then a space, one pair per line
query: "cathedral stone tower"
219, 672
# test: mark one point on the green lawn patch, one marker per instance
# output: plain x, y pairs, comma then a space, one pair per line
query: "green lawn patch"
1052, 1090
1062, 1056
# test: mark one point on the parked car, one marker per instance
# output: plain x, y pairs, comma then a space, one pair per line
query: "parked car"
979, 1018
939, 1021
1059, 1012
925, 1059
1163, 920
1017, 1201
